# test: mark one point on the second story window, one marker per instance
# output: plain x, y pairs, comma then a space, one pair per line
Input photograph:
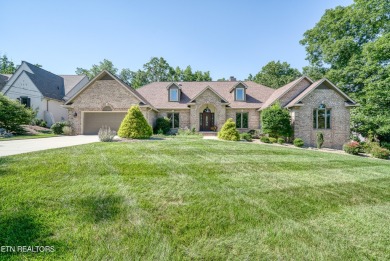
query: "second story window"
173, 94
25, 101
240, 94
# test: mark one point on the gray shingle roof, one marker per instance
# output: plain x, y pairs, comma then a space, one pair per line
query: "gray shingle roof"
49, 84
157, 94
70, 81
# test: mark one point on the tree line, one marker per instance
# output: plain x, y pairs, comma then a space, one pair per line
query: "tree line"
349, 45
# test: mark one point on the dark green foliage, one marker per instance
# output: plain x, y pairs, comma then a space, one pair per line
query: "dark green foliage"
352, 147
265, 139
281, 140
229, 131
353, 43
276, 121
273, 140
57, 127
320, 140
298, 142
380, 153
246, 136
164, 124
13, 114
134, 125
385, 145
255, 134
275, 74
39, 122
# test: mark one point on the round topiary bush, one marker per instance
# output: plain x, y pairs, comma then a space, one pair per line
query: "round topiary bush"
281, 140
298, 142
272, 140
229, 131
134, 125
265, 139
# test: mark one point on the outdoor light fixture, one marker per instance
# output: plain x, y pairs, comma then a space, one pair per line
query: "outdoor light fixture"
75, 114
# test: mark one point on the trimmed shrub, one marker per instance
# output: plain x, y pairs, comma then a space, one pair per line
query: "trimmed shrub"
352, 147
134, 125
320, 140
380, 153
13, 114
164, 124
67, 130
272, 140
229, 131
276, 121
246, 136
106, 134
39, 122
58, 126
298, 142
265, 139
281, 140
255, 134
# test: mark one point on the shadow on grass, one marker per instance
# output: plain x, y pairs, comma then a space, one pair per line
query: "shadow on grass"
25, 229
100, 208
3, 162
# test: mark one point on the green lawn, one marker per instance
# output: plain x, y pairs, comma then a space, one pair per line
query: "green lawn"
25, 137
195, 199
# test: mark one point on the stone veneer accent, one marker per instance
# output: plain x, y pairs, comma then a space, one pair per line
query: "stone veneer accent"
208, 98
302, 118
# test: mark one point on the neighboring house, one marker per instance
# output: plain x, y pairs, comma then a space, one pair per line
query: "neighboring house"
43, 91
4, 79
315, 106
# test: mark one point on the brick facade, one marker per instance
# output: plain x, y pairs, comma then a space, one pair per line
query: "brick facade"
340, 118
106, 91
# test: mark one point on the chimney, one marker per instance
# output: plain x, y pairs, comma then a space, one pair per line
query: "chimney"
233, 79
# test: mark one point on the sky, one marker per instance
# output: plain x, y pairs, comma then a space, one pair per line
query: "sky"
227, 38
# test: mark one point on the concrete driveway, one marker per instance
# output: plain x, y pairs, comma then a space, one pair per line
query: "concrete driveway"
13, 147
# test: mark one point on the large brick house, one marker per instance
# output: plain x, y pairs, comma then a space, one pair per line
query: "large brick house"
314, 106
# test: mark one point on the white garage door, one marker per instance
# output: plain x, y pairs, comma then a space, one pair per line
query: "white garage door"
93, 121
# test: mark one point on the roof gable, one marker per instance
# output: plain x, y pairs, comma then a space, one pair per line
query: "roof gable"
212, 90
237, 85
106, 75
298, 100
280, 92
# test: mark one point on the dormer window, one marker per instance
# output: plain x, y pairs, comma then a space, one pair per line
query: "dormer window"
240, 94
173, 94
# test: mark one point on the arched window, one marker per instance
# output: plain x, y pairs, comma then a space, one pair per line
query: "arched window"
107, 108
207, 109
321, 117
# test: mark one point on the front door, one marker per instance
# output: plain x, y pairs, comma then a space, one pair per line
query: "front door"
206, 121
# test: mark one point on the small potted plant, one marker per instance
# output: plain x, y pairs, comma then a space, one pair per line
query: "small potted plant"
214, 128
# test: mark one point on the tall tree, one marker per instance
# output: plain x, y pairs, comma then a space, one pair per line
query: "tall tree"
352, 42
314, 72
6, 66
96, 69
158, 70
276, 74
